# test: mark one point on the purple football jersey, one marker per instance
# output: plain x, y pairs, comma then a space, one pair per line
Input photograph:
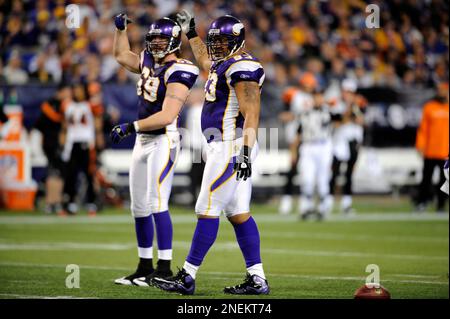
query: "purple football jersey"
152, 86
221, 119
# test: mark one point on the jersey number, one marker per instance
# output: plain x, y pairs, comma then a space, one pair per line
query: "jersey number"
210, 87
151, 84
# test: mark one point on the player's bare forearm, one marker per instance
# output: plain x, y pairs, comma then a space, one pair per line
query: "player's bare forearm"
200, 53
155, 122
248, 96
251, 124
174, 100
123, 53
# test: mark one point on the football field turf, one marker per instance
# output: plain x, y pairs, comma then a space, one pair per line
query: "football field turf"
301, 259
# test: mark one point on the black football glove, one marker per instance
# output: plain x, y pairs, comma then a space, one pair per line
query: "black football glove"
119, 132
121, 21
242, 166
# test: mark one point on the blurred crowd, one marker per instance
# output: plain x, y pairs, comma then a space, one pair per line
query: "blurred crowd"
327, 38
326, 41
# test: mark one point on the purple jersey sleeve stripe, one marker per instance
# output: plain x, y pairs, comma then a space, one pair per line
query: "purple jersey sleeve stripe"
184, 77
168, 166
224, 177
240, 76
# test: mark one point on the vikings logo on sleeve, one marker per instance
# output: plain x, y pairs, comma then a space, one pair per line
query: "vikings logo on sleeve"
152, 85
221, 119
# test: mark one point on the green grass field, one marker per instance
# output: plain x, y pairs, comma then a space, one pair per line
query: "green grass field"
301, 259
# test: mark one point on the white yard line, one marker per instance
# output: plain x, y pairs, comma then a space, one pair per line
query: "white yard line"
183, 219
239, 274
42, 297
66, 246
222, 246
415, 276
335, 236
300, 234
347, 278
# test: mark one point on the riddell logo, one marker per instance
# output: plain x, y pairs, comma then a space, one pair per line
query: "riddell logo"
155, 31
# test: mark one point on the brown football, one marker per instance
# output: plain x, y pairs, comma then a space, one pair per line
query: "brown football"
366, 292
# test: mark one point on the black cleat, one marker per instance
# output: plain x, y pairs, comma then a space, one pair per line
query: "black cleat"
182, 283
144, 269
305, 216
252, 285
147, 281
128, 280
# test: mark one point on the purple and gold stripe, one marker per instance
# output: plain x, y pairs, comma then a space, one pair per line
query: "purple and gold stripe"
226, 174
168, 166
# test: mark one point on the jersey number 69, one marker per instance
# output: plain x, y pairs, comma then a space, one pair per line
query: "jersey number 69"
151, 85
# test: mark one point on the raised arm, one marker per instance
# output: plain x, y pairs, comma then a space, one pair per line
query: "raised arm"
122, 51
187, 22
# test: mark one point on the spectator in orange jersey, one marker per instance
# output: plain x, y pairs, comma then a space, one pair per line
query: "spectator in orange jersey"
433, 143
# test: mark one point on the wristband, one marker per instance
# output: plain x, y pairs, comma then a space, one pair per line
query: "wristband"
247, 150
191, 33
135, 127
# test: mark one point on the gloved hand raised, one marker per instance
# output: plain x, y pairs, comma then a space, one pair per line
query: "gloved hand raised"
187, 23
121, 21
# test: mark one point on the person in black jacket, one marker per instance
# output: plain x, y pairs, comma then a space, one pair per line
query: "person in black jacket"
49, 123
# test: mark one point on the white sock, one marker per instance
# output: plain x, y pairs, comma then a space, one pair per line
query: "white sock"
306, 204
146, 253
165, 254
191, 269
346, 202
257, 269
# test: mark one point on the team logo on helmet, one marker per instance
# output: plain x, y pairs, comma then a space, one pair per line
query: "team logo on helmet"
237, 28
226, 36
176, 31
164, 28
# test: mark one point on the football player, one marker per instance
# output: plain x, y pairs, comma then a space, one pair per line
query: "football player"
347, 140
162, 89
314, 140
297, 100
229, 120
